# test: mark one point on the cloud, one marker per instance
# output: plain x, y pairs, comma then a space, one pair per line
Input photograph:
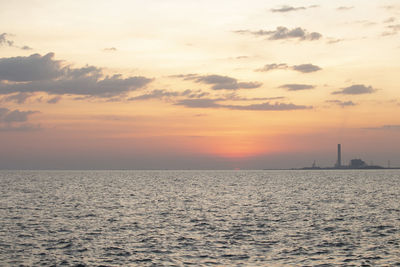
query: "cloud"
25, 47
304, 68
284, 9
297, 87
356, 89
391, 7
160, 94
334, 40
18, 98
110, 49
283, 33
4, 40
54, 100
392, 29
273, 66
344, 8
390, 20
220, 82
199, 103
16, 120
235, 97
37, 73
11, 116
268, 106
212, 103
342, 103
31, 68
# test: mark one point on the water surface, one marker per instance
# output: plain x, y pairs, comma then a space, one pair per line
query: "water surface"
182, 218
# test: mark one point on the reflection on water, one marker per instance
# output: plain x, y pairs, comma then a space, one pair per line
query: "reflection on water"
162, 218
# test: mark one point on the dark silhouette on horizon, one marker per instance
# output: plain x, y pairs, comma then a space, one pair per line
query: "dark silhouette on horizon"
354, 164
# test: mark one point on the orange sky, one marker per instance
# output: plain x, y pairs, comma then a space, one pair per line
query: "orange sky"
197, 84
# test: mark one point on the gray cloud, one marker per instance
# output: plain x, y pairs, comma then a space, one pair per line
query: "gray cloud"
334, 40
273, 66
4, 40
297, 87
284, 9
304, 68
212, 103
344, 8
18, 98
25, 47
31, 68
16, 120
390, 20
268, 106
392, 29
235, 97
38, 73
110, 49
391, 7
342, 103
220, 82
283, 33
12, 116
199, 103
356, 89
54, 100
160, 94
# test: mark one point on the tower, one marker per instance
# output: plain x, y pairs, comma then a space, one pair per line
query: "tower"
339, 156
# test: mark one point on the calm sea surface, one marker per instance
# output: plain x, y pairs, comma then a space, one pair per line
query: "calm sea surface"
200, 218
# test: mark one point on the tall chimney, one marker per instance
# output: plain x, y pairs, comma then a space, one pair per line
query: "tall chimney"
339, 156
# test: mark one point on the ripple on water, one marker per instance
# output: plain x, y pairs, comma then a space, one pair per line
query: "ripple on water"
182, 218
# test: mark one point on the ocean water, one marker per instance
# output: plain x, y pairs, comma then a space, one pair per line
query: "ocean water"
200, 218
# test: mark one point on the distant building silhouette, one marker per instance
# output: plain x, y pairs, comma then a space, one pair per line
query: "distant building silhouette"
354, 163
357, 164
339, 156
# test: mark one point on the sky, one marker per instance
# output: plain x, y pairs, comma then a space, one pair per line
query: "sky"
184, 84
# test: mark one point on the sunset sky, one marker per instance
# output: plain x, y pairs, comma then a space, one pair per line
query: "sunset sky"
184, 84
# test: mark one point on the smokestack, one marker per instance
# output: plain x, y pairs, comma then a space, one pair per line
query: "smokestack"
339, 156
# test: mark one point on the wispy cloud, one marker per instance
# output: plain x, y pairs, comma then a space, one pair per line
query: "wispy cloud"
389, 20
160, 94
16, 120
110, 49
342, 103
297, 87
213, 103
356, 89
54, 100
6, 41
219, 82
304, 68
392, 29
344, 8
286, 8
283, 33
19, 98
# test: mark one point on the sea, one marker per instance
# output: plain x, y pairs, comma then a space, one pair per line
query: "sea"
200, 218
